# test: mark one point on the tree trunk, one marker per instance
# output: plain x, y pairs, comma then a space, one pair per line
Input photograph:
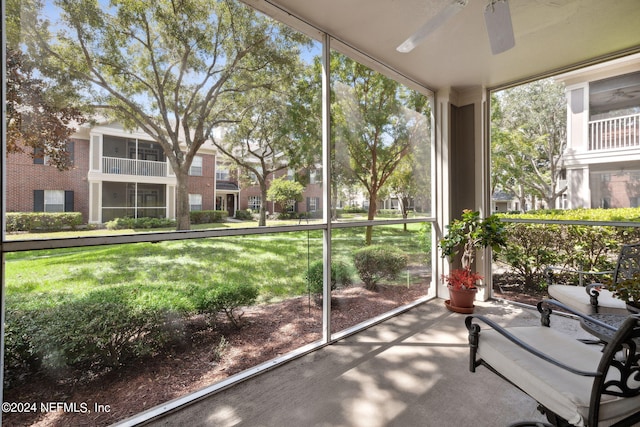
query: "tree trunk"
182, 198
404, 203
262, 221
334, 200
370, 216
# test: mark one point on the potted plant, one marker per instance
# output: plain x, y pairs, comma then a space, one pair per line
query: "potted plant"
468, 234
628, 290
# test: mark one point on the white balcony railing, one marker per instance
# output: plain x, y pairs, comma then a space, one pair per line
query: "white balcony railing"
611, 134
120, 166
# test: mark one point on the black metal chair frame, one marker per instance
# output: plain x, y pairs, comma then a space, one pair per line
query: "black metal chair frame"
625, 338
627, 267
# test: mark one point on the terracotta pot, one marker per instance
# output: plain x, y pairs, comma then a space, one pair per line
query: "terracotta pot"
462, 298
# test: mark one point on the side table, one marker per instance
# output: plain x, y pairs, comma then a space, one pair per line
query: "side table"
603, 333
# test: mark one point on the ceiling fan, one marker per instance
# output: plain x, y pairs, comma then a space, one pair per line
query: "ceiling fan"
496, 16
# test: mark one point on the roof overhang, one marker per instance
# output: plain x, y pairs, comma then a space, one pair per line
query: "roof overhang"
551, 36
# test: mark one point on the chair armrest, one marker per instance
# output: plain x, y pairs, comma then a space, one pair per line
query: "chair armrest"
474, 336
548, 272
595, 286
545, 311
593, 290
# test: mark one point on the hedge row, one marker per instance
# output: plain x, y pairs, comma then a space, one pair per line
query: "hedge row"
531, 248
56, 221
108, 327
42, 221
207, 217
140, 223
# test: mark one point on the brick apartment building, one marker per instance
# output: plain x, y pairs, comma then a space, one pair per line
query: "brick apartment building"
117, 173
311, 199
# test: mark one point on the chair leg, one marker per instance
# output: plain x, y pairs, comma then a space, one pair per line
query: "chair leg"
553, 418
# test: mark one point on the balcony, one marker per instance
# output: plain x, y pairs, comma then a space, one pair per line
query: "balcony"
616, 133
122, 166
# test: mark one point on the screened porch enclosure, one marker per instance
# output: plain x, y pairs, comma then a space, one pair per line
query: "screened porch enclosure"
133, 200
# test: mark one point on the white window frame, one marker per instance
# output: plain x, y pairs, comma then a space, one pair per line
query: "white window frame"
195, 202
222, 173
196, 166
54, 200
255, 202
314, 202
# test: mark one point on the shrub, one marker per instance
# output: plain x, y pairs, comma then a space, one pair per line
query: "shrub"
424, 237
244, 215
140, 223
389, 212
21, 356
316, 214
377, 262
590, 248
531, 248
106, 329
286, 215
102, 329
42, 221
207, 217
340, 275
353, 209
226, 298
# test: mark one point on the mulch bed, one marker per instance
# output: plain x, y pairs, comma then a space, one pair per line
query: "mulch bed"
507, 287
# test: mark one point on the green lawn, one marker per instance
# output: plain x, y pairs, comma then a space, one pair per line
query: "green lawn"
94, 309
164, 272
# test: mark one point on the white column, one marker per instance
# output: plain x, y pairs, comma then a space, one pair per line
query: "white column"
442, 184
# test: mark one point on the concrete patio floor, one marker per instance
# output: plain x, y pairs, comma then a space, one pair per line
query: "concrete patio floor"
411, 370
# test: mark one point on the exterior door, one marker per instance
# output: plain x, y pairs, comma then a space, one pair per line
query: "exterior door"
231, 205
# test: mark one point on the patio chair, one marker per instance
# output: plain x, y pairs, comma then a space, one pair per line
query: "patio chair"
575, 384
595, 298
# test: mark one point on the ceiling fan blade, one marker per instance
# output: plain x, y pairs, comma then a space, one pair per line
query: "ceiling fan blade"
497, 17
431, 25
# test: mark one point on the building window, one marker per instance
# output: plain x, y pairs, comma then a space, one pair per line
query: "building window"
52, 201
196, 166
195, 202
313, 176
222, 174
255, 202
39, 158
313, 204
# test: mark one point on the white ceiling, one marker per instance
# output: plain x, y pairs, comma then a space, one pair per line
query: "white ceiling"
550, 36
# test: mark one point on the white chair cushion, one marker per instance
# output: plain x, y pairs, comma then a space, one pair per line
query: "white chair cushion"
577, 298
562, 392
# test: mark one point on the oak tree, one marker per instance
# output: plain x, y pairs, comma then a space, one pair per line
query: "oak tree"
170, 68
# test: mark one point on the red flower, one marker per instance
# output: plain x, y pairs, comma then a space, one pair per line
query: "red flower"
462, 278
